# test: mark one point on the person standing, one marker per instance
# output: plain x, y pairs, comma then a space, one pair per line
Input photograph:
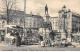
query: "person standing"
2, 37
17, 39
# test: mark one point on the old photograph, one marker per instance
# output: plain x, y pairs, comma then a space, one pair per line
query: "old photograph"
39, 25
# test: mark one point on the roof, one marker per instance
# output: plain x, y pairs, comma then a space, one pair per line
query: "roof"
12, 26
18, 13
76, 15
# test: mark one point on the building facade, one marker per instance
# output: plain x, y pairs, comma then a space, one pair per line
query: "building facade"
54, 23
68, 21
29, 20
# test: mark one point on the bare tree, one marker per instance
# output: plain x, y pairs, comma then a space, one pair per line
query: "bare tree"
7, 6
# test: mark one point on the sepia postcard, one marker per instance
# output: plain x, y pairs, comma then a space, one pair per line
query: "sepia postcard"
39, 25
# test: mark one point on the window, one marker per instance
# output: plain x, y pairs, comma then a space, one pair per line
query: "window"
34, 25
30, 25
15, 21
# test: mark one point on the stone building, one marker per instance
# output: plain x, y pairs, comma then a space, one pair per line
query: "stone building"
19, 18
54, 23
31, 21
68, 22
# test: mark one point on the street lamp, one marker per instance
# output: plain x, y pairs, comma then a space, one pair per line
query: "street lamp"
64, 16
24, 16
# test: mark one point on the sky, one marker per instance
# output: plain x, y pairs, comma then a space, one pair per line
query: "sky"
37, 6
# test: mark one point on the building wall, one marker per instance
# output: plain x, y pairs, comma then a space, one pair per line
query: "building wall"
71, 21
54, 22
31, 21
75, 22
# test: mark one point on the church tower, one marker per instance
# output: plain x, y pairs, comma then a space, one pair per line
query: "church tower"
46, 16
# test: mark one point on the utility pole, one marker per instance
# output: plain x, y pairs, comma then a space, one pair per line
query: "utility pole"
24, 14
25, 6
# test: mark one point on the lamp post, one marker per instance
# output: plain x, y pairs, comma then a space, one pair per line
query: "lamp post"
24, 16
64, 16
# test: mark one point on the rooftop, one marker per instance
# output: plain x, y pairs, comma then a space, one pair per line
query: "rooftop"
20, 14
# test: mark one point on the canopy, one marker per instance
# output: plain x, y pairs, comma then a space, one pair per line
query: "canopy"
12, 26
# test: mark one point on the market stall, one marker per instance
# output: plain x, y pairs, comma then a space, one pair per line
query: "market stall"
10, 33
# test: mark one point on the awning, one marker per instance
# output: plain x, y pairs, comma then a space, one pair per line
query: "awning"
2, 29
12, 26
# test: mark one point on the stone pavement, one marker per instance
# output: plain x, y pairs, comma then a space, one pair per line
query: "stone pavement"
3, 44
76, 44
37, 48
4, 47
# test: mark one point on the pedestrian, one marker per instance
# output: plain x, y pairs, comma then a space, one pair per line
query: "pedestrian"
13, 41
17, 39
2, 37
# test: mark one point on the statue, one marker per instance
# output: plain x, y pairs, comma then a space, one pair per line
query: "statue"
46, 9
